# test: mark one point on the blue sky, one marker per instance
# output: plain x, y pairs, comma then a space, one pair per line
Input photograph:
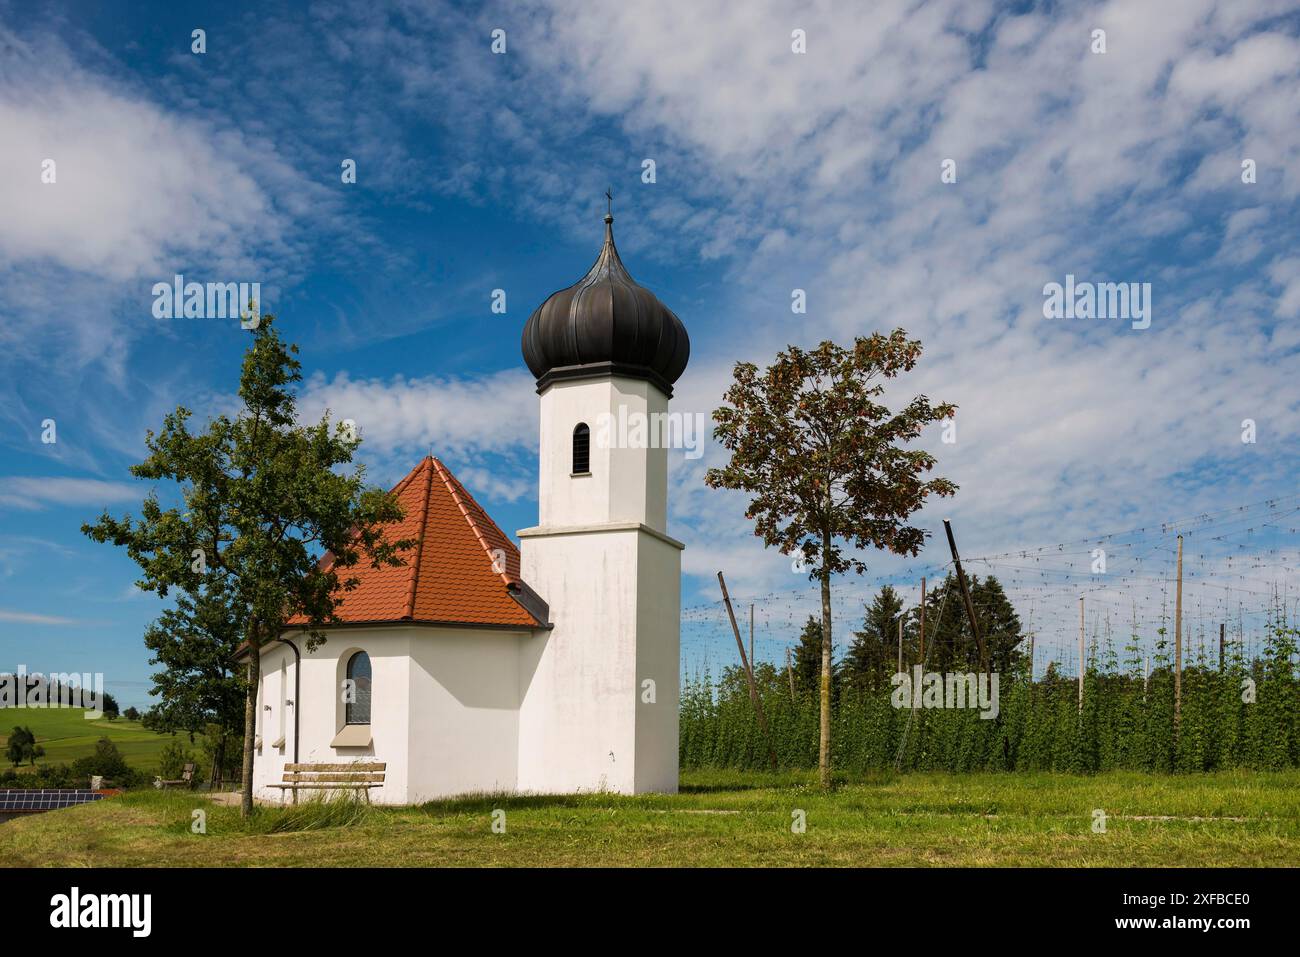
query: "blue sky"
774, 171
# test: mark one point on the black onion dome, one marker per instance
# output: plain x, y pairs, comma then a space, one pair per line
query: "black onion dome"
606, 324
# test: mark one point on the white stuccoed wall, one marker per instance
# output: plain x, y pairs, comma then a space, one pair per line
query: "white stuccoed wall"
658, 615
464, 711
625, 485
321, 714
444, 710
612, 579
577, 719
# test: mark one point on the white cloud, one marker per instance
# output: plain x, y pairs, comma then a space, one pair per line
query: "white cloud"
142, 191
1068, 161
38, 492
1286, 273
497, 486
139, 190
822, 172
27, 618
487, 414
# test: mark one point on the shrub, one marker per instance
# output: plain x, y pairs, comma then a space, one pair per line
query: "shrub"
45, 776
172, 760
107, 762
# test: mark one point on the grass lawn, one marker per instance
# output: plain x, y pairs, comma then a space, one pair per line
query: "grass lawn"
66, 735
720, 818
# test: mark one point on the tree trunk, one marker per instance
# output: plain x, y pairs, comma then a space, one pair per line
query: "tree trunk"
824, 746
250, 724
219, 762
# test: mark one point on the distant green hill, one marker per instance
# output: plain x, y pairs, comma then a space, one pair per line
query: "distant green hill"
67, 735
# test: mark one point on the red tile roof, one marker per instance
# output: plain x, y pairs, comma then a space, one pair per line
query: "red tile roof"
463, 568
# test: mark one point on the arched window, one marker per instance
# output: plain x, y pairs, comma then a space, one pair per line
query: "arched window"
358, 709
581, 449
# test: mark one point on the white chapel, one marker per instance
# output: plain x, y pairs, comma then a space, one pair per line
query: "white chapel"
479, 666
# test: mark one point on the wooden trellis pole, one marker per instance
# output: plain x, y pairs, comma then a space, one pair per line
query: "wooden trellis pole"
1178, 644
921, 647
749, 673
751, 632
1080, 652
965, 593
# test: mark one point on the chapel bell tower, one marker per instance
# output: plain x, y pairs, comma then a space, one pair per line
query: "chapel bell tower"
600, 689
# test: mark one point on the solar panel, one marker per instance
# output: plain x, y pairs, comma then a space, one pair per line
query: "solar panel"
14, 801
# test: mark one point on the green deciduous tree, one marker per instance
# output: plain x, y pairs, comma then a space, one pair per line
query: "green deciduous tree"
263, 498
22, 747
199, 689
827, 465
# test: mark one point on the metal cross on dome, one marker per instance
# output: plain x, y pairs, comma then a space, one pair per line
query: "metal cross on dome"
609, 196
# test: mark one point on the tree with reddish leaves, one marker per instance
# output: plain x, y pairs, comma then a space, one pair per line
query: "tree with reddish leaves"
827, 465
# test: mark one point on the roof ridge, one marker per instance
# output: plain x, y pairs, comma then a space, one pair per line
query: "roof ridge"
419, 541
401, 486
454, 488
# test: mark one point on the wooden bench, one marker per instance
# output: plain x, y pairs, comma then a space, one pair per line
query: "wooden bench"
332, 777
185, 780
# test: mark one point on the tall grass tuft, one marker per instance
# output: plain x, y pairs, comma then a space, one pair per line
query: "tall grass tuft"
314, 814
